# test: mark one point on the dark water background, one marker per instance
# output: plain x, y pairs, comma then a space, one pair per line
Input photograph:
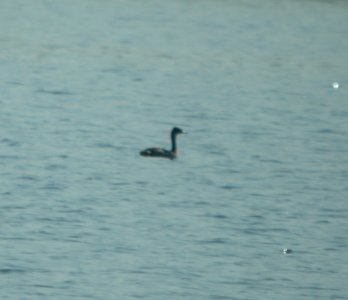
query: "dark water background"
87, 84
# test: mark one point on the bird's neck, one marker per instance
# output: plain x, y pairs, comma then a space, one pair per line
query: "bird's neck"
173, 136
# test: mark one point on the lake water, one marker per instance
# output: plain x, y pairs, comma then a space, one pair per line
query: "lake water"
85, 85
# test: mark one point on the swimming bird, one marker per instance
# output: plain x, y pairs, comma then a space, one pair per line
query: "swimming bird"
159, 152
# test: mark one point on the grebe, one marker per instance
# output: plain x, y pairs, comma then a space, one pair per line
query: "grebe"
158, 152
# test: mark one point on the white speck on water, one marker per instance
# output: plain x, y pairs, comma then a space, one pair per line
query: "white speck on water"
335, 85
286, 251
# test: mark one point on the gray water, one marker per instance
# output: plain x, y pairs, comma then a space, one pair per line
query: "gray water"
85, 85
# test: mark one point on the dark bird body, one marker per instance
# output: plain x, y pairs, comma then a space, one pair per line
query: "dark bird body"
159, 152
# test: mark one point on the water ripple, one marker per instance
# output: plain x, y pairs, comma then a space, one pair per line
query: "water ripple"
54, 92
11, 270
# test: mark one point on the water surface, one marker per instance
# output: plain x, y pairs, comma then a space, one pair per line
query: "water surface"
86, 85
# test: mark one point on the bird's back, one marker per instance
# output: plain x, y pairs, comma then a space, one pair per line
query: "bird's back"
158, 152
